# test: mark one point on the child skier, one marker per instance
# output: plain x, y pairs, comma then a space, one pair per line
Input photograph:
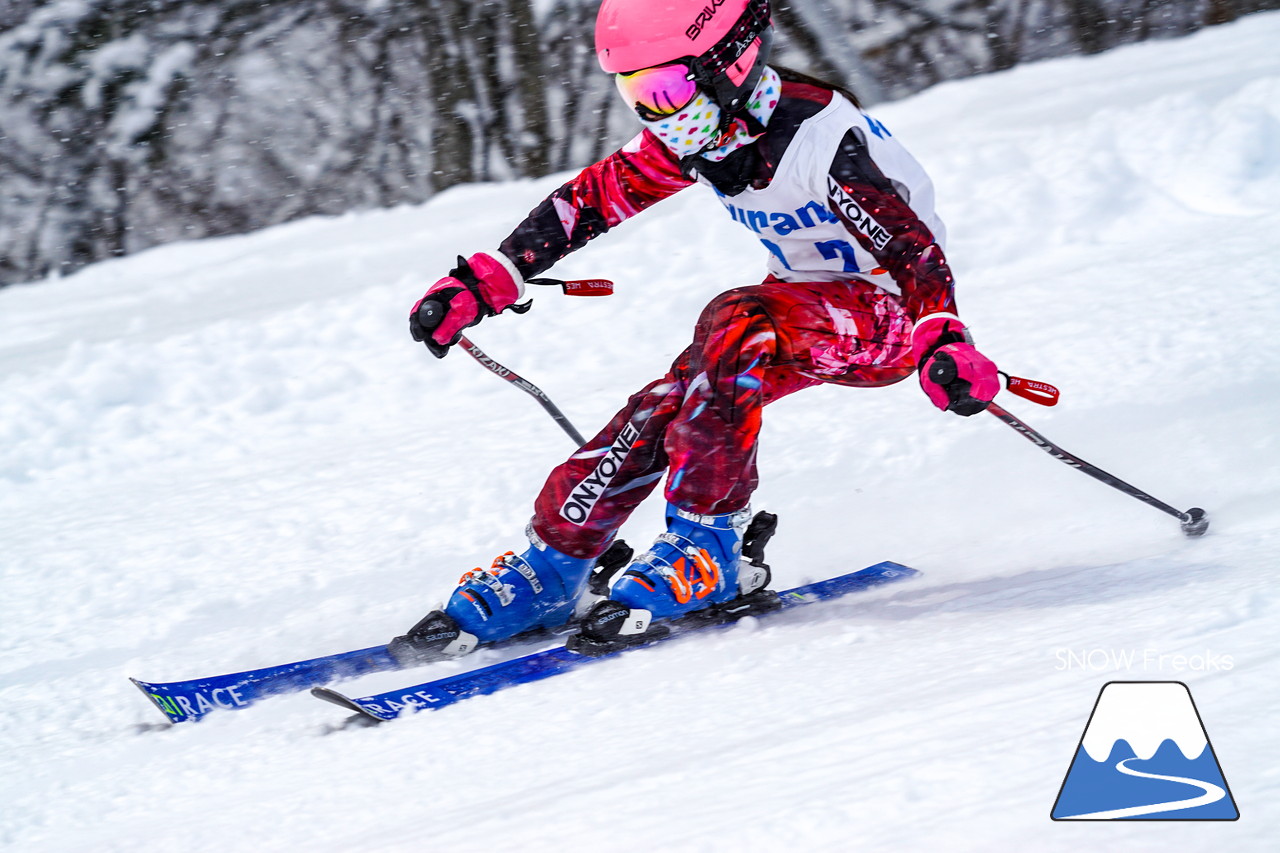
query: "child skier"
858, 293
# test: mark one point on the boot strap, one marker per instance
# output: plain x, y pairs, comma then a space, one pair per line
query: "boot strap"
718, 522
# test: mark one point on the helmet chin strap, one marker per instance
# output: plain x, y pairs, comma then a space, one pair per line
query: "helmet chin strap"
755, 126
728, 121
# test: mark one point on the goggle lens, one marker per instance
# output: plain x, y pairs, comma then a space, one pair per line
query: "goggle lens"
658, 92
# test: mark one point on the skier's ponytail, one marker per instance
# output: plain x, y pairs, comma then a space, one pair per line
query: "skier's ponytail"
790, 75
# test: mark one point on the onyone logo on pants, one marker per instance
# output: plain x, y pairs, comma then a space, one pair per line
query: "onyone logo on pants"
584, 497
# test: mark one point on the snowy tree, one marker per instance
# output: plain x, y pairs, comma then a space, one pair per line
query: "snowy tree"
124, 125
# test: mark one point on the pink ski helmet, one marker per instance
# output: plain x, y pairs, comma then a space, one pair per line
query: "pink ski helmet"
724, 44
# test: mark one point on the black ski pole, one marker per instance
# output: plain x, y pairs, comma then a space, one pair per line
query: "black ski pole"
1195, 521
431, 314
524, 385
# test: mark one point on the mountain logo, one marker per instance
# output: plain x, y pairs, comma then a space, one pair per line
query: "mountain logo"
1145, 755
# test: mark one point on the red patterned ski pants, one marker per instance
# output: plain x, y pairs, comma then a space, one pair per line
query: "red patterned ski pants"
700, 422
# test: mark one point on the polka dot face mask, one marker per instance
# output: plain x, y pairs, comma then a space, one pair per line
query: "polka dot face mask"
696, 128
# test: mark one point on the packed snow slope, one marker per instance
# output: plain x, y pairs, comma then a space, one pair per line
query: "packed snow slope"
228, 454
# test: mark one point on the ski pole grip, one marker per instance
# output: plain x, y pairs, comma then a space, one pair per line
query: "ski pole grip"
943, 369
431, 314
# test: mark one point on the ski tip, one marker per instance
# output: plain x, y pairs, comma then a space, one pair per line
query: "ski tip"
890, 569
343, 701
172, 715
328, 694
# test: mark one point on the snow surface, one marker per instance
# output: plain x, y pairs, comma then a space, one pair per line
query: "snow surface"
227, 454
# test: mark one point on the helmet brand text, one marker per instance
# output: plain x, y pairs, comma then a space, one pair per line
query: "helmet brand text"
704, 17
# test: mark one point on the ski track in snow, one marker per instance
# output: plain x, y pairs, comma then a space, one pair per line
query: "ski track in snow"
228, 454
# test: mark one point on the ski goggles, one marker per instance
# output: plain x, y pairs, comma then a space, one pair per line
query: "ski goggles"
658, 92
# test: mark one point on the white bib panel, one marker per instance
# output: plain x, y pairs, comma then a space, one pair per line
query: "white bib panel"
791, 216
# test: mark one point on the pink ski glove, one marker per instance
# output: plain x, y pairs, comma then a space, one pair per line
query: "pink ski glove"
478, 287
953, 373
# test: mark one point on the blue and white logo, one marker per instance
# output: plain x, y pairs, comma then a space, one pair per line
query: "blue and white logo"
1145, 755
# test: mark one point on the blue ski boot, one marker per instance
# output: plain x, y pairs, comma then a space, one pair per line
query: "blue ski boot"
537, 589
695, 568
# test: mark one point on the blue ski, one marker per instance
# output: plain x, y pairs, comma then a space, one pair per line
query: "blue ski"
441, 692
182, 701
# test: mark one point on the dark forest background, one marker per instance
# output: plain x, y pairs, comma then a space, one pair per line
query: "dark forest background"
129, 123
